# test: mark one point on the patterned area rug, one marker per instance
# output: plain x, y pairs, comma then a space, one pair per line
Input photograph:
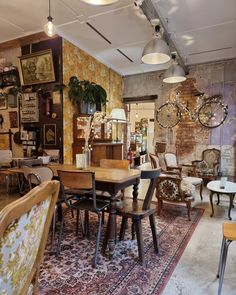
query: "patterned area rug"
72, 273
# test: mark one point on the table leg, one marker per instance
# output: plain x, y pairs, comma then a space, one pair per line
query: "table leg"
212, 208
218, 199
231, 199
112, 227
135, 190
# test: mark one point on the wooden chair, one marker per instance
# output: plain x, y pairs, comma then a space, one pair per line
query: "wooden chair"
207, 168
229, 235
172, 162
196, 181
156, 164
24, 226
174, 190
5, 164
137, 210
82, 181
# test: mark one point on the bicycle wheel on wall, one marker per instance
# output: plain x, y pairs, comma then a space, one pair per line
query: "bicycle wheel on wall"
212, 114
168, 115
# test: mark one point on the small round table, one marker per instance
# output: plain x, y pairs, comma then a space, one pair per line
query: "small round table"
230, 190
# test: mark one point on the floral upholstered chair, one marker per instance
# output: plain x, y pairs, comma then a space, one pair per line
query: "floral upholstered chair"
174, 190
207, 168
24, 226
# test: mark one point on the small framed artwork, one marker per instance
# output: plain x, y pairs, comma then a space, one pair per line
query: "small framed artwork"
37, 68
12, 101
3, 101
49, 131
13, 119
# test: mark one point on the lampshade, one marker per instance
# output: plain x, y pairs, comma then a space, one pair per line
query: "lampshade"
156, 51
99, 2
174, 74
118, 115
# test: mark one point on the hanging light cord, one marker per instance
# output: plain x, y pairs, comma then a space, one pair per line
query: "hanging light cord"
49, 9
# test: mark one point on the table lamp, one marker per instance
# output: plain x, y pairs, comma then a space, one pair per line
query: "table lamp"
119, 116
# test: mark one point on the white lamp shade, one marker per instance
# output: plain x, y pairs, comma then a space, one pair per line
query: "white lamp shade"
118, 115
99, 2
156, 52
174, 74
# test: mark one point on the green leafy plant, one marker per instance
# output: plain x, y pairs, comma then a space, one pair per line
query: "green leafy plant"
86, 91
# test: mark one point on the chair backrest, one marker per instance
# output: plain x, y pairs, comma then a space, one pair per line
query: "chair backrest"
78, 180
209, 162
5, 157
168, 188
152, 175
31, 162
116, 164
171, 160
24, 226
154, 161
37, 175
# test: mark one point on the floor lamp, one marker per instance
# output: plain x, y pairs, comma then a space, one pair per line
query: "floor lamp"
119, 116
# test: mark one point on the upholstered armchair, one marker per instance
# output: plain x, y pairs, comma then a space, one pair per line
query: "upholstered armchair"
174, 190
24, 226
208, 167
172, 162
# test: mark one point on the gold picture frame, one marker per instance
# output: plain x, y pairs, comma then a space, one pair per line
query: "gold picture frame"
37, 68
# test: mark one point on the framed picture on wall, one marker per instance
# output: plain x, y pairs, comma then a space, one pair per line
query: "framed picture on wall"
49, 132
3, 101
37, 68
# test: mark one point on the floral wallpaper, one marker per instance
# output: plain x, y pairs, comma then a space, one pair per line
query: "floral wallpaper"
78, 63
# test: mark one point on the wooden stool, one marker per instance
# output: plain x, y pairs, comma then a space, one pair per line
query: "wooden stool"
229, 235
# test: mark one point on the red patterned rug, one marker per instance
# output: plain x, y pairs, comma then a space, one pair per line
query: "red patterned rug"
72, 273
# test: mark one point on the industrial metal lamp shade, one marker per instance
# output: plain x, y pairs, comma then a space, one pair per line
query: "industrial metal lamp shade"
156, 52
174, 74
99, 2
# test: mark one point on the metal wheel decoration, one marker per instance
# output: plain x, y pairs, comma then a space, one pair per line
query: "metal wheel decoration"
212, 113
168, 115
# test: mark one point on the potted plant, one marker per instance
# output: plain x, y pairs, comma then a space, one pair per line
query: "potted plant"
87, 96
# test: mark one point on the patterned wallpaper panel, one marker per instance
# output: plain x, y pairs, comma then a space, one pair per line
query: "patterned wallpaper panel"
78, 63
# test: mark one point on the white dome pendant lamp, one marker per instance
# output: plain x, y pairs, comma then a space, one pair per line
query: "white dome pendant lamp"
156, 51
175, 73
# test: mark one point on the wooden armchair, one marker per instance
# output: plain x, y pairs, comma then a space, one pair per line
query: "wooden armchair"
174, 190
24, 226
207, 168
172, 162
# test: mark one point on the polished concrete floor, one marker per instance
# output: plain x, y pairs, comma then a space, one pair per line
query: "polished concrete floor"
195, 273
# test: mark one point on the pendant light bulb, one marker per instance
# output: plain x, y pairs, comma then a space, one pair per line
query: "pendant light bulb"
49, 27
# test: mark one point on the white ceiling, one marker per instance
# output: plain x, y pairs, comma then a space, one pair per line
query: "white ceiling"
202, 30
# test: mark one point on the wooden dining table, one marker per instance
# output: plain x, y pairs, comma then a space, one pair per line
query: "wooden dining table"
108, 180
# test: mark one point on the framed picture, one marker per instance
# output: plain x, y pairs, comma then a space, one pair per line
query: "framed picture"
13, 119
49, 131
3, 101
37, 68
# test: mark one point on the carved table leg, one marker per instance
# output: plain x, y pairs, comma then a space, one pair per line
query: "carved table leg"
135, 190
212, 208
112, 227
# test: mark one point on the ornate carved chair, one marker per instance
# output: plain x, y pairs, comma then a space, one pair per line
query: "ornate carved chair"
174, 190
24, 226
196, 181
207, 168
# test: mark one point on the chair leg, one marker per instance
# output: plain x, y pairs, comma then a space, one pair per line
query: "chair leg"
159, 207
225, 246
86, 224
188, 203
201, 188
123, 228
53, 228
77, 222
95, 259
139, 234
132, 231
154, 233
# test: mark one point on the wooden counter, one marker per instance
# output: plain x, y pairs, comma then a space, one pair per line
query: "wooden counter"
101, 150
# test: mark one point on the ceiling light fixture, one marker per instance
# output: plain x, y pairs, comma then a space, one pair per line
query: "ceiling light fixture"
49, 27
156, 51
175, 73
99, 2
